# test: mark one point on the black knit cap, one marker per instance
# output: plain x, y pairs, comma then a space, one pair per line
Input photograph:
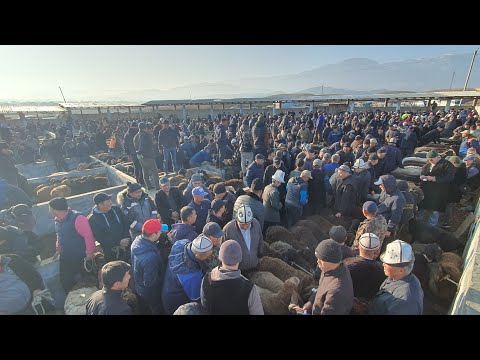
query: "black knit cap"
330, 251
58, 203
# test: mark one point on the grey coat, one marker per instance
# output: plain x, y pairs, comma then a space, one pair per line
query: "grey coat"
272, 204
249, 258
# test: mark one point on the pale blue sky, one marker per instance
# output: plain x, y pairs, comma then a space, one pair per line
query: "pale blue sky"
35, 72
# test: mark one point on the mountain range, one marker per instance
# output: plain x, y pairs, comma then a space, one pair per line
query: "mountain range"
351, 76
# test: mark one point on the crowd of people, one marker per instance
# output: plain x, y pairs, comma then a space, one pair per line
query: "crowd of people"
201, 246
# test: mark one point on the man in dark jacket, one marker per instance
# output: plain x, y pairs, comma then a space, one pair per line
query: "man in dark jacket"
110, 228
334, 295
115, 276
260, 137
252, 198
393, 157
146, 154
186, 228
270, 170
221, 193
339, 234
367, 273
184, 273
255, 169
454, 192
169, 200
381, 164
168, 140
316, 189
201, 206
195, 181
346, 154
409, 142
15, 241
432, 135
148, 268
345, 192
217, 212
11, 195
391, 203
130, 151
363, 178
220, 136
8, 171
436, 176
137, 206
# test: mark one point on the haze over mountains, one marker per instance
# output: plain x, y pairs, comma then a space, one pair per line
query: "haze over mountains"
347, 77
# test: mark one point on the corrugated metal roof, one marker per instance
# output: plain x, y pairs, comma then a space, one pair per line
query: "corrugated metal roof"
6, 109
323, 98
95, 105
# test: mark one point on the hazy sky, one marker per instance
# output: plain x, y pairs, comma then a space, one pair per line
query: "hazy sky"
35, 72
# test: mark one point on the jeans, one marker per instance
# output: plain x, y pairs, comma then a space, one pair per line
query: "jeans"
149, 167
432, 216
294, 214
167, 153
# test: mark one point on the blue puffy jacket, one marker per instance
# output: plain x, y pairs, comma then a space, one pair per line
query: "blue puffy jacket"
183, 277
201, 156
148, 272
329, 170
254, 171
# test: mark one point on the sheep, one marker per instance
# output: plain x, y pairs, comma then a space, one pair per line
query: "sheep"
235, 183
176, 180
284, 271
61, 191
315, 228
67, 182
287, 253
182, 186
82, 166
266, 280
44, 193
192, 308
277, 303
323, 223
279, 233
304, 236
345, 221
425, 233
268, 251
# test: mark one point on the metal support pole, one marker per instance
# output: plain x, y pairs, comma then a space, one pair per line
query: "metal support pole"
211, 110
447, 106
241, 109
274, 110
470, 70
184, 112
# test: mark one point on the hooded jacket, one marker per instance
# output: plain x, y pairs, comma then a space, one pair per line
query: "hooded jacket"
254, 171
148, 272
136, 212
392, 201
182, 231
183, 277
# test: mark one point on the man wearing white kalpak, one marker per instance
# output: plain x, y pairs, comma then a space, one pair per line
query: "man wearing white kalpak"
246, 230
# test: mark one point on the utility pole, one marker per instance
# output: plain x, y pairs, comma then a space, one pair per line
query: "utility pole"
62, 95
470, 70
451, 82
